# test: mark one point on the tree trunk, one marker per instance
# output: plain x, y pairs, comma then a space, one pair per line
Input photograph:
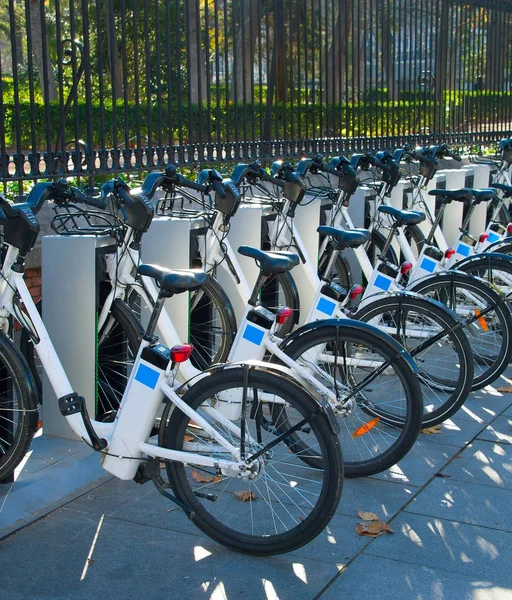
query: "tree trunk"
196, 64
41, 54
246, 28
388, 51
114, 63
495, 53
441, 66
336, 64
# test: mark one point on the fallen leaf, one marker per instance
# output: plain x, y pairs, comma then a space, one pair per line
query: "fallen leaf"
245, 495
188, 438
367, 516
373, 529
431, 430
505, 388
200, 478
90, 561
441, 475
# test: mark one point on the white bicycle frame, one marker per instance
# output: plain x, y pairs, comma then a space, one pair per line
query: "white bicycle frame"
128, 437
120, 269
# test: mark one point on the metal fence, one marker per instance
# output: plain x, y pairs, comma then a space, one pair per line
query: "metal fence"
90, 88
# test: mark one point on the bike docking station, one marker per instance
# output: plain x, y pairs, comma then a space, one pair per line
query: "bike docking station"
71, 275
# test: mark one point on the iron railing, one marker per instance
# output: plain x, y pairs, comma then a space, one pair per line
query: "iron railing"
91, 88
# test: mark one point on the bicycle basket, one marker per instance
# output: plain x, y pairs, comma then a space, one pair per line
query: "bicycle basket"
75, 220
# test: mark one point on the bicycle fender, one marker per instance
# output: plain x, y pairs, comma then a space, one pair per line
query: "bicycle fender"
449, 275
353, 325
288, 375
484, 256
497, 246
428, 300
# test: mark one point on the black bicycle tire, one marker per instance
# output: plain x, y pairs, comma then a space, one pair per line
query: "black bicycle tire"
409, 427
27, 349
12, 359
229, 326
341, 274
220, 301
172, 435
130, 332
398, 304
290, 299
474, 285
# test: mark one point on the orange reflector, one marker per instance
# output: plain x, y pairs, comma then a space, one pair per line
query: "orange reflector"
366, 427
481, 320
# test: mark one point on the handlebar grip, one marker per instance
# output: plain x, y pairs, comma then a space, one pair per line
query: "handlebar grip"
193, 185
80, 197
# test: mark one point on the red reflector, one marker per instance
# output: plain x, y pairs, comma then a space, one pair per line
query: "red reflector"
449, 253
355, 291
282, 314
181, 353
509, 229
406, 267
483, 237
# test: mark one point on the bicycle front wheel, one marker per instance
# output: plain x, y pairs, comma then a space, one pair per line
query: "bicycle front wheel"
18, 407
279, 502
435, 340
490, 334
378, 398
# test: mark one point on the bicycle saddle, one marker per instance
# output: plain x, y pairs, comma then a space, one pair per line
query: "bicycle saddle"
483, 194
346, 239
447, 196
506, 189
174, 281
271, 262
403, 217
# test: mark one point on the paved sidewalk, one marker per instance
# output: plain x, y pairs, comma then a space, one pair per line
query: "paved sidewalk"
449, 504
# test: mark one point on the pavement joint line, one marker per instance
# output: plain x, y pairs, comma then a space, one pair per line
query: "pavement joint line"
410, 512
404, 506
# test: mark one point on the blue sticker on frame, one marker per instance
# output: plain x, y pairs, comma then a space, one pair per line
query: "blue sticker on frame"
326, 306
147, 376
253, 334
493, 237
428, 265
463, 250
382, 282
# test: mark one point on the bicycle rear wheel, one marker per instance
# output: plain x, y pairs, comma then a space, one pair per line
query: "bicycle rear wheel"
18, 407
379, 403
432, 336
280, 503
212, 322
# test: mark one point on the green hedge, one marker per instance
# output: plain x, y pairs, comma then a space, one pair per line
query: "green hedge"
230, 122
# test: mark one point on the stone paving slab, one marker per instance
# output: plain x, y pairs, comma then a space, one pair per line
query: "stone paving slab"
472, 503
456, 431
484, 406
374, 578
138, 561
483, 462
419, 465
40, 489
447, 545
500, 430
